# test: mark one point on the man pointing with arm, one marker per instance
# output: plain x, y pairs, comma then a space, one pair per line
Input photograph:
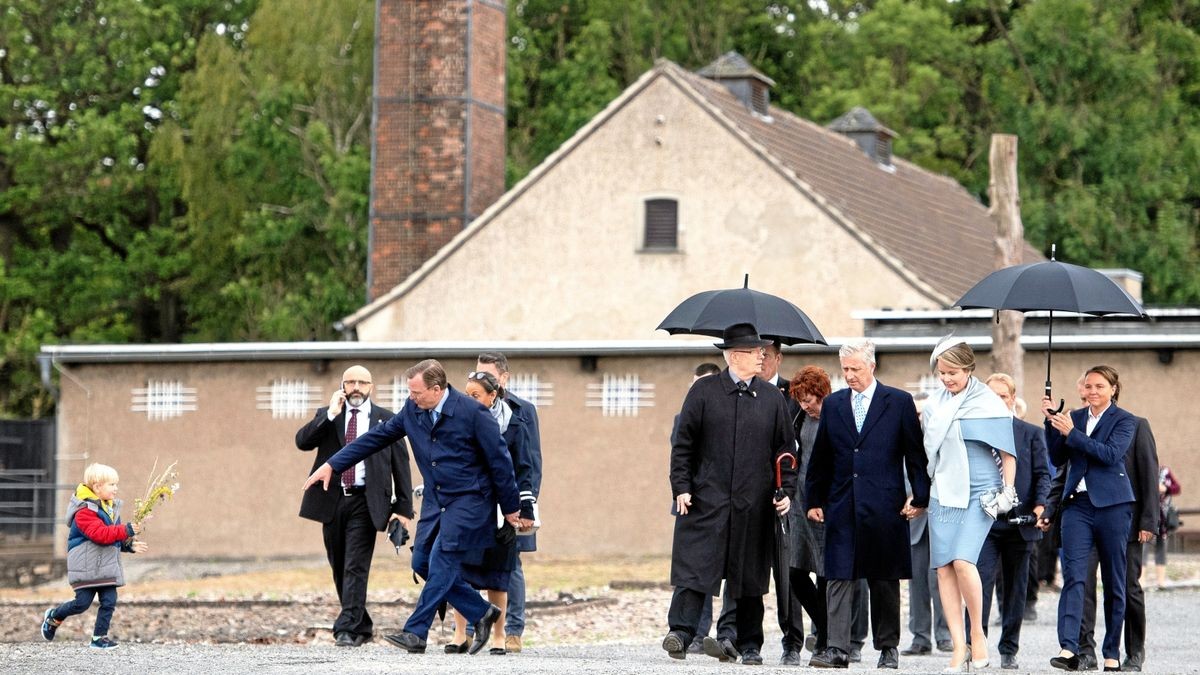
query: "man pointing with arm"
467, 471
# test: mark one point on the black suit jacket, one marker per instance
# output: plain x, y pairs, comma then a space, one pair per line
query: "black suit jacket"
388, 472
1033, 476
1141, 465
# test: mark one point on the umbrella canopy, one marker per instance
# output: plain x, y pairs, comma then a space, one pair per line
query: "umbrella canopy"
1050, 286
711, 312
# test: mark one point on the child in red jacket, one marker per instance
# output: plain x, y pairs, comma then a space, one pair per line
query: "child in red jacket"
94, 545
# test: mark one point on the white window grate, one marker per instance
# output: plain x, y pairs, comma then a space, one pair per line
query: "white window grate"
289, 398
395, 393
528, 387
620, 395
164, 399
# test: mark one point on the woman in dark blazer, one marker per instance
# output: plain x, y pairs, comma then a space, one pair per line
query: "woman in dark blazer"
1097, 508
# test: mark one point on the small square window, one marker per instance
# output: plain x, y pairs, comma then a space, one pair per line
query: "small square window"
164, 399
287, 398
620, 395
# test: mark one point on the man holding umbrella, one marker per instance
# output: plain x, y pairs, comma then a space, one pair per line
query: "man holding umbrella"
732, 427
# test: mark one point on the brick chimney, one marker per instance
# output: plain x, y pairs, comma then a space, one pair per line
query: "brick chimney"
437, 143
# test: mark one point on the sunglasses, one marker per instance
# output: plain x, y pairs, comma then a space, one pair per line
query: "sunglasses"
479, 375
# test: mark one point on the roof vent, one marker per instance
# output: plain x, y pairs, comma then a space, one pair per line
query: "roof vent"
874, 138
742, 80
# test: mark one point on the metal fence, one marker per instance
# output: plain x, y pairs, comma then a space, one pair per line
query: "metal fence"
28, 483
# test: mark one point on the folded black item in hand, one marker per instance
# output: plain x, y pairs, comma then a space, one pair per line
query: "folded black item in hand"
506, 534
398, 534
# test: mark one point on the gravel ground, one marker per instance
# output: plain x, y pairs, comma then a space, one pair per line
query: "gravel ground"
617, 637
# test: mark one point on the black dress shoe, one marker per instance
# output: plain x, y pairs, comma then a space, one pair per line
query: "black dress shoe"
945, 646
721, 648
790, 657
916, 650
346, 639
1008, 661
675, 644
407, 641
457, 648
1088, 662
751, 657
1131, 665
483, 629
1112, 669
810, 643
830, 658
1065, 662
888, 658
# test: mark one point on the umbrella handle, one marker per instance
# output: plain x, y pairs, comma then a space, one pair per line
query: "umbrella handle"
779, 472
1061, 403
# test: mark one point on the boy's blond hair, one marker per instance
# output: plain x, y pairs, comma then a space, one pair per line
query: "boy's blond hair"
97, 474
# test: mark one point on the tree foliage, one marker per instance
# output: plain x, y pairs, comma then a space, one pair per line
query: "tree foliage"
177, 170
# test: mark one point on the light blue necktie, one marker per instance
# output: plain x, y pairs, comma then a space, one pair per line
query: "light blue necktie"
433, 417
860, 410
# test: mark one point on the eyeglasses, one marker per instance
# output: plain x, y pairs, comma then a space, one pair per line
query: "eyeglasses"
359, 383
761, 351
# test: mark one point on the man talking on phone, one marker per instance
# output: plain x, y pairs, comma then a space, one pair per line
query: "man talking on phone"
365, 498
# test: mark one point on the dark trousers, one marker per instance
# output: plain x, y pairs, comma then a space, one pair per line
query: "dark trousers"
687, 604
349, 546
806, 597
706, 614
1106, 528
83, 600
442, 571
885, 612
1004, 561
1135, 606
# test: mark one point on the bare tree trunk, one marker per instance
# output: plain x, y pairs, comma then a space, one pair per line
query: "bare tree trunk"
1005, 210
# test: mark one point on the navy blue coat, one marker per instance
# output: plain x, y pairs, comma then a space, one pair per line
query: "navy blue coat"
465, 464
858, 479
527, 412
1100, 457
1033, 477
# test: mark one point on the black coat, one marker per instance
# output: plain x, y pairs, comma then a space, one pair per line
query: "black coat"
723, 453
858, 480
1032, 480
388, 473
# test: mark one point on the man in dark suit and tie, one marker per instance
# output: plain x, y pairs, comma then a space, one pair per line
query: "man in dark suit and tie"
467, 471
1008, 546
366, 498
868, 437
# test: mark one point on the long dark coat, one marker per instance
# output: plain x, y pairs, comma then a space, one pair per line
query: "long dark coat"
858, 479
723, 453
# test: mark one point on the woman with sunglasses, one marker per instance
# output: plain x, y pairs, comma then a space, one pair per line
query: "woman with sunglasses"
490, 569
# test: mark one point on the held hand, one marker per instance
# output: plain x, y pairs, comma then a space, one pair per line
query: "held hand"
782, 506
1048, 407
321, 475
682, 502
137, 528
526, 525
335, 403
1037, 511
514, 519
1145, 536
403, 521
140, 547
816, 515
1043, 524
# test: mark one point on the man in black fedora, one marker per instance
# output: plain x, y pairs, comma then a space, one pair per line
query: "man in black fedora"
731, 429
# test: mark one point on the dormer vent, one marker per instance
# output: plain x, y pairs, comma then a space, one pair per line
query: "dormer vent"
742, 80
874, 138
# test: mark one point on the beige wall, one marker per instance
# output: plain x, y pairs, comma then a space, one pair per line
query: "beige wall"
605, 489
562, 261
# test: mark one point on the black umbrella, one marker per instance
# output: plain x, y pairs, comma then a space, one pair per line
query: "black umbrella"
1050, 286
783, 546
711, 312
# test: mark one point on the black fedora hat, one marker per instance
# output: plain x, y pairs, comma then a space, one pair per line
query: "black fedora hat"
742, 335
